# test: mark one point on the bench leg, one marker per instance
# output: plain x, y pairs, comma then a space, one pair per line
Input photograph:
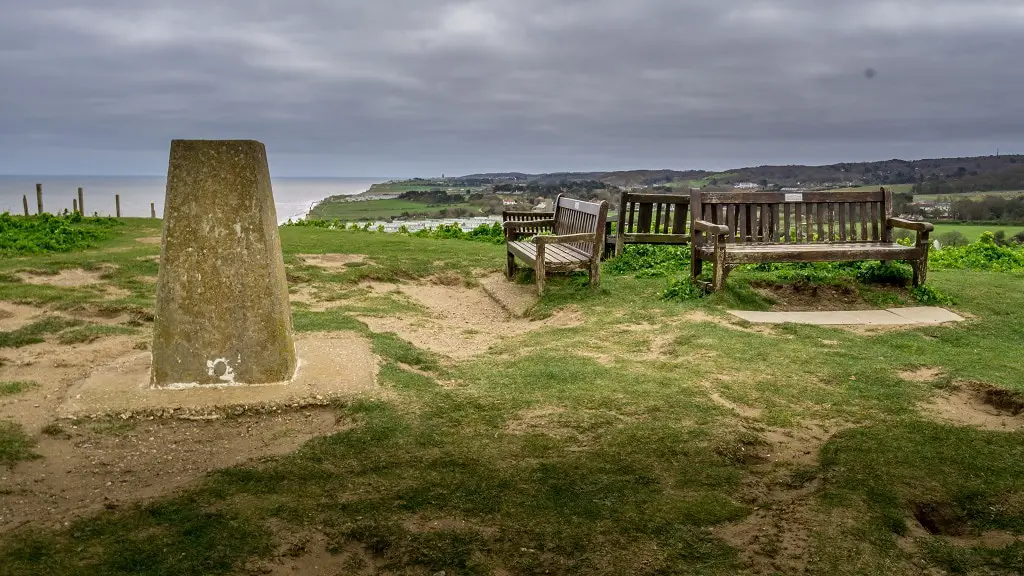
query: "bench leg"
538, 272
696, 266
920, 271
510, 266
718, 280
595, 273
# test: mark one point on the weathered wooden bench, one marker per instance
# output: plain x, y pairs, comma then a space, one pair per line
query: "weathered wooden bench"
576, 243
652, 219
547, 216
732, 228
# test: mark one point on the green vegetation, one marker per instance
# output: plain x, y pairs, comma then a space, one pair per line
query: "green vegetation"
34, 332
374, 210
48, 233
974, 231
624, 444
15, 445
16, 387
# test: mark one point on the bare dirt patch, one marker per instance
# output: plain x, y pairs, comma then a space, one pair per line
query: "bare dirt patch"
921, 374
702, 316
460, 322
333, 261
806, 297
114, 463
15, 316
777, 535
979, 405
741, 409
150, 240
75, 277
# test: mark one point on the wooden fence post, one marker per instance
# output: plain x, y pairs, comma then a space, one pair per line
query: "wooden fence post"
74, 205
39, 198
152, 210
117, 204
24, 200
81, 201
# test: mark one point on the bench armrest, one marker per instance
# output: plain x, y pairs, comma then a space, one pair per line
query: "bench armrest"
528, 224
705, 226
565, 239
909, 224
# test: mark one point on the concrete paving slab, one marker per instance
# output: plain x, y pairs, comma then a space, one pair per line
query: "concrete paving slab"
516, 299
891, 317
927, 314
331, 365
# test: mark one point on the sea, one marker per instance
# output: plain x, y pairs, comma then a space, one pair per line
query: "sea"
293, 197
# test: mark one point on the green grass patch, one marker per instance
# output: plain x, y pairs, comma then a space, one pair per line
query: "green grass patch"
45, 233
15, 445
35, 332
379, 210
16, 387
972, 232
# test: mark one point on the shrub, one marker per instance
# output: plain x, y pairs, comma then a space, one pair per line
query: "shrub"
650, 261
985, 254
45, 233
683, 289
952, 238
888, 273
930, 296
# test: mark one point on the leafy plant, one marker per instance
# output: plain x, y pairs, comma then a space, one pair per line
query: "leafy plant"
683, 289
888, 273
650, 260
45, 233
931, 297
985, 254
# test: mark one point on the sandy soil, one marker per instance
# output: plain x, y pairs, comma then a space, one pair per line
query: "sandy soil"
980, 406
332, 261
15, 316
461, 322
67, 278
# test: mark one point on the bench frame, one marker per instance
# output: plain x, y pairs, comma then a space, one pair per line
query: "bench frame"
575, 224
646, 218
751, 221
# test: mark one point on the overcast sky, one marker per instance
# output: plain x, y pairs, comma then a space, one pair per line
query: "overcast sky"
421, 87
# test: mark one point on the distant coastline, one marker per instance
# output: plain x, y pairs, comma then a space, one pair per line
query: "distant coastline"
293, 197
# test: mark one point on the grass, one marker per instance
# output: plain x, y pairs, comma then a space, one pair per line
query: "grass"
973, 231
15, 445
603, 448
34, 333
374, 210
16, 387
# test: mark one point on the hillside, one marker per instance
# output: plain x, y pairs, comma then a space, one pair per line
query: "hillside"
980, 172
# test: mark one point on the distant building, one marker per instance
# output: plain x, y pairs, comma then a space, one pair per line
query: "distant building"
746, 185
508, 202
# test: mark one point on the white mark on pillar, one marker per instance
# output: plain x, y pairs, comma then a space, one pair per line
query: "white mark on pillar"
238, 229
221, 369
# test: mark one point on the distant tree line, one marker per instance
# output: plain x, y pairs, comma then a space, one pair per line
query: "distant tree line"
553, 189
432, 197
988, 208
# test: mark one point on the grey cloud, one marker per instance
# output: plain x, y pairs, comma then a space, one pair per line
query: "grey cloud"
406, 86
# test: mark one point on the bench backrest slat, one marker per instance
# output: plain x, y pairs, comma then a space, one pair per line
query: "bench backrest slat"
808, 217
581, 217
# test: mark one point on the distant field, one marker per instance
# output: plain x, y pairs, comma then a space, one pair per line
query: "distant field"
897, 188
973, 231
408, 186
970, 196
374, 209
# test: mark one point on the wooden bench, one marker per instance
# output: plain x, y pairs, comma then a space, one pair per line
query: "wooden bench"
523, 216
652, 219
578, 229
732, 228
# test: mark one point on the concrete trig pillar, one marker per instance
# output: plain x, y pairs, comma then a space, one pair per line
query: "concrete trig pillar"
222, 309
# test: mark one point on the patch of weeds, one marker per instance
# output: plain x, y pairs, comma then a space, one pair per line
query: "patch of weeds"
90, 333
683, 289
929, 296
34, 333
329, 321
887, 273
8, 278
15, 445
16, 387
650, 260
55, 430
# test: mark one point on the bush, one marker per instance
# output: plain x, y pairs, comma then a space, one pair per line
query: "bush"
650, 260
683, 289
985, 254
888, 273
930, 296
952, 238
45, 233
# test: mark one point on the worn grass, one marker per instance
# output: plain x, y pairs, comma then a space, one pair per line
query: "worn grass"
15, 445
596, 449
16, 387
